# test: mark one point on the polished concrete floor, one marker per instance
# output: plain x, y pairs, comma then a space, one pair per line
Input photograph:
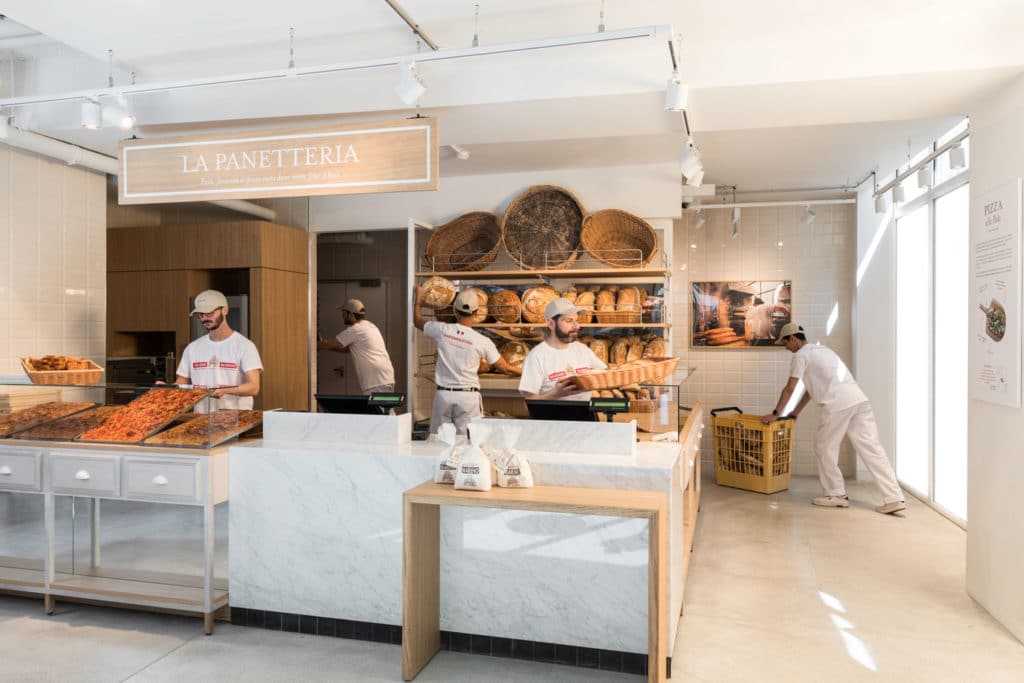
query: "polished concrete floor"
778, 591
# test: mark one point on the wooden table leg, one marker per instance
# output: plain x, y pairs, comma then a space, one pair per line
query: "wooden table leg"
49, 604
421, 586
208, 623
657, 596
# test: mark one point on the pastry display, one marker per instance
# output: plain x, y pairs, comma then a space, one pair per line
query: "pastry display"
49, 363
69, 427
206, 433
438, 293
505, 306
37, 415
535, 300
145, 415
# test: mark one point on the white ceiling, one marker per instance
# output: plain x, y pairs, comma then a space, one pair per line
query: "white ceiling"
799, 94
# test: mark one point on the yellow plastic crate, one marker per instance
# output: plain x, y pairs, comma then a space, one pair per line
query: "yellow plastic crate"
750, 455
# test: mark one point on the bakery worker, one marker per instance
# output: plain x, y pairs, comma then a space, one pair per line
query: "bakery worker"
363, 340
845, 410
550, 366
223, 360
459, 350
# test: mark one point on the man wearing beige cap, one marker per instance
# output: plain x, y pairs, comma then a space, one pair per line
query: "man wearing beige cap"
222, 360
459, 350
550, 366
364, 341
845, 410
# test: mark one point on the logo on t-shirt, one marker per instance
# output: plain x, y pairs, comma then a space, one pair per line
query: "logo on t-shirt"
229, 365
200, 364
580, 371
558, 374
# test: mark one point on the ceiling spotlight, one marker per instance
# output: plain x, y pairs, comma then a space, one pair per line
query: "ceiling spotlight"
700, 218
689, 162
696, 179
957, 157
880, 205
461, 152
676, 93
899, 195
809, 215
410, 87
924, 177
735, 222
92, 115
116, 114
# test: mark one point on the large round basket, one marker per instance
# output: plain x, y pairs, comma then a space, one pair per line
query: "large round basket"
541, 227
470, 242
619, 239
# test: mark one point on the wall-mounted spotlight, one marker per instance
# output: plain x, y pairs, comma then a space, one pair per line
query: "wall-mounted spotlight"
924, 177
809, 215
92, 115
957, 156
410, 87
696, 179
689, 162
899, 195
116, 114
880, 204
735, 222
676, 93
700, 219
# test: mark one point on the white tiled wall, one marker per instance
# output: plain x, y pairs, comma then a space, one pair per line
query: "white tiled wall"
53, 253
773, 244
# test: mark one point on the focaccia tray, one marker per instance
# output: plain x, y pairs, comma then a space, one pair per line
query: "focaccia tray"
67, 428
144, 416
36, 415
207, 433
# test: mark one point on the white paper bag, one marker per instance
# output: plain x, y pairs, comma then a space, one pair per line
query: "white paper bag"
512, 468
448, 461
474, 473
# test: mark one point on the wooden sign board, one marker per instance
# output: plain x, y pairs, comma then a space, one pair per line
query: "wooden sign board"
389, 156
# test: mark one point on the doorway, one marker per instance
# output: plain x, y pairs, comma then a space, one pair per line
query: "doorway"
335, 373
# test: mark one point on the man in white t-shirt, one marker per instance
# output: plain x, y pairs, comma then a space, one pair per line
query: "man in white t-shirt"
845, 410
459, 350
223, 359
550, 366
363, 340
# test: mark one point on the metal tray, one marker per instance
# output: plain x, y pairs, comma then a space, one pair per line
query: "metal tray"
26, 433
227, 437
151, 432
86, 405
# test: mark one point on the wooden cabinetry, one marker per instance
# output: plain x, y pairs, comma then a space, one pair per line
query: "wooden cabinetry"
152, 271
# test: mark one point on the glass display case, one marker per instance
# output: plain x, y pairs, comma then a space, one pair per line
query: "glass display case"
658, 409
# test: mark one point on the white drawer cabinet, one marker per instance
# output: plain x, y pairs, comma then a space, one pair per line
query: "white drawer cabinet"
21, 469
163, 480
85, 475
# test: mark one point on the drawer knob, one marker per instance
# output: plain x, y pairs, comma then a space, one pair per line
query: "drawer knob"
5, 471
83, 475
160, 480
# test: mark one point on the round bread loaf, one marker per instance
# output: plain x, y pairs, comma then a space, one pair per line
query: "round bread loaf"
569, 294
505, 306
481, 312
656, 348
439, 293
585, 300
514, 353
535, 300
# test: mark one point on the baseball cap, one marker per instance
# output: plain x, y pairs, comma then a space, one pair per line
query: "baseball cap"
466, 302
354, 306
787, 330
209, 301
560, 306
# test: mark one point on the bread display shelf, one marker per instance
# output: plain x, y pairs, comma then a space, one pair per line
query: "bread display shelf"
532, 275
540, 325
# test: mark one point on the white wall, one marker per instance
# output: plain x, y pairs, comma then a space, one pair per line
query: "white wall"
818, 258
643, 190
53, 260
995, 469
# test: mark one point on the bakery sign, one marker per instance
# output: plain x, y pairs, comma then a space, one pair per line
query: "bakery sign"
388, 156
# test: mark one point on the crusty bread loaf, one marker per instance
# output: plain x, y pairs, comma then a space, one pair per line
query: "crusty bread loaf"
619, 352
514, 353
570, 294
440, 293
636, 349
605, 301
629, 299
656, 348
505, 306
585, 300
585, 339
535, 300
481, 312
600, 348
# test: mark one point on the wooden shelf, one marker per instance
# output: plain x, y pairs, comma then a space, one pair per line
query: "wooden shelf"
663, 326
136, 592
20, 578
534, 274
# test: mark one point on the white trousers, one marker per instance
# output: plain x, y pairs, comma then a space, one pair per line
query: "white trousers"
857, 423
457, 407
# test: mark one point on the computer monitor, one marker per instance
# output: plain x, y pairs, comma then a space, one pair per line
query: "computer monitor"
359, 405
567, 411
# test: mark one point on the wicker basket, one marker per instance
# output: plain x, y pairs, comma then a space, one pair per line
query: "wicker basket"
651, 373
470, 242
541, 227
619, 239
90, 376
624, 314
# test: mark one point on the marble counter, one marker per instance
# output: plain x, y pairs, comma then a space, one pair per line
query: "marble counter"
316, 528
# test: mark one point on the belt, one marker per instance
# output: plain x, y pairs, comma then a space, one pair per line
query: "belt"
459, 388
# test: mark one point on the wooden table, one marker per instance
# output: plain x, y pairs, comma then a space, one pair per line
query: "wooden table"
421, 555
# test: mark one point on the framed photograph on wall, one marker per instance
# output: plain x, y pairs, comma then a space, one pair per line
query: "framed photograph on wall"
744, 314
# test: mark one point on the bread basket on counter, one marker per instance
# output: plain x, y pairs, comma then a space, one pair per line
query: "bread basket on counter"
91, 375
646, 371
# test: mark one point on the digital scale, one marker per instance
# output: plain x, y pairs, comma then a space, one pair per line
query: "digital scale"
609, 406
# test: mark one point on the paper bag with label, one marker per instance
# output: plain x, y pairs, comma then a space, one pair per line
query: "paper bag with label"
512, 467
474, 472
448, 461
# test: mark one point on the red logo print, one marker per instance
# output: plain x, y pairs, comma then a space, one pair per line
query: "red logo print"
557, 375
229, 365
200, 364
